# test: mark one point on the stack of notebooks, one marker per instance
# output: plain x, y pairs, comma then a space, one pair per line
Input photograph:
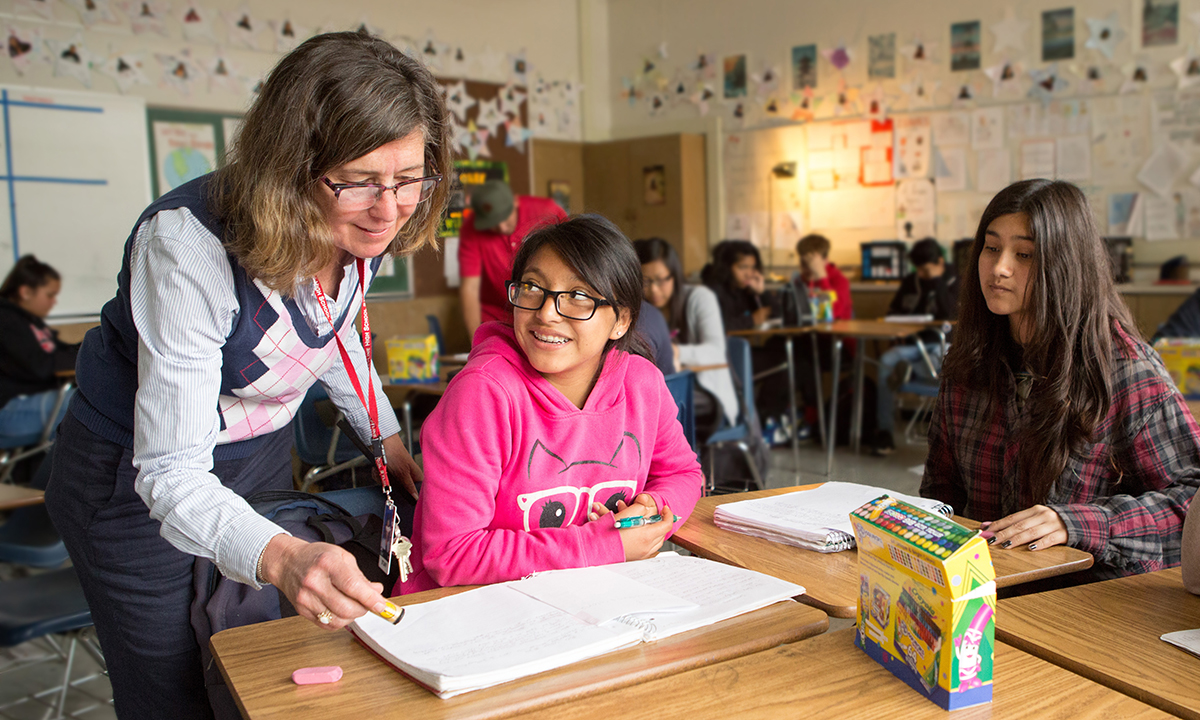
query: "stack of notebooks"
507, 631
811, 519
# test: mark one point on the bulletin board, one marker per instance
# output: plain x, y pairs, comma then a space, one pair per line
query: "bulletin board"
186, 144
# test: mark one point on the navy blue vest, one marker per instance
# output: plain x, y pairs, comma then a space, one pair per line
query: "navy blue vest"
260, 388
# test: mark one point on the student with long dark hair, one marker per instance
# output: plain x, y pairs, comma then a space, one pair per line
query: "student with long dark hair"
1055, 422
556, 420
30, 351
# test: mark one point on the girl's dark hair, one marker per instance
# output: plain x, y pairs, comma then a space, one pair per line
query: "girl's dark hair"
1075, 316
655, 248
602, 257
27, 272
726, 254
333, 99
924, 252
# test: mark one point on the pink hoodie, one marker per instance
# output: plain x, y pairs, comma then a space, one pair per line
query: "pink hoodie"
512, 466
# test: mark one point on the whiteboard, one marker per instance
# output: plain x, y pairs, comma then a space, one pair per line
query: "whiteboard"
75, 177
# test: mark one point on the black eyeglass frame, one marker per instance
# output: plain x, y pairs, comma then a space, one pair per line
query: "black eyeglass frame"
337, 188
546, 294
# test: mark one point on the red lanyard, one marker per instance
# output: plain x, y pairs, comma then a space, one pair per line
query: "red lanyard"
368, 400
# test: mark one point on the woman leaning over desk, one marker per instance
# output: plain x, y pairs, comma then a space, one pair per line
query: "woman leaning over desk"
216, 334
1055, 421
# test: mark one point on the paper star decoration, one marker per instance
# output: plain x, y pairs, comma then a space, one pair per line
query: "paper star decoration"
839, 56
147, 17
515, 135
1187, 69
771, 107
1091, 77
1105, 34
662, 50
767, 81
739, 113
489, 116
458, 61
490, 64
458, 101
803, 105
364, 24
630, 92
1009, 33
510, 99
126, 70
196, 21
287, 34
964, 95
1137, 76
433, 52
844, 101
656, 103
179, 71
875, 103
705, 65
919, 51
93, 11
223, 74
241, 27
679, 90
1005, 77
1046, 82
518, 69
24, 46
920, 92
41, 8
702, 97
476, 142
72, 59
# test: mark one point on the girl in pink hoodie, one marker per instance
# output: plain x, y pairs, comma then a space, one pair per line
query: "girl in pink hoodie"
557, 425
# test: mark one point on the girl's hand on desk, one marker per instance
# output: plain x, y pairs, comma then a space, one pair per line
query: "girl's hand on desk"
319, 577
1038, 526
646, 503
401, 466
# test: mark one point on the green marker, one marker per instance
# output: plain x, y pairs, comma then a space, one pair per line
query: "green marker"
640, 521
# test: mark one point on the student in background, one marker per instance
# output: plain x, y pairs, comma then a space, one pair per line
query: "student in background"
488, 241
556, 422
1055, 421
1184, 322
824, 283
30, 351
929, 290
238, 291
694, 317
652, 326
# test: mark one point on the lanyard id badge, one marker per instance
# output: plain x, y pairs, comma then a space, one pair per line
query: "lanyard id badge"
392, 542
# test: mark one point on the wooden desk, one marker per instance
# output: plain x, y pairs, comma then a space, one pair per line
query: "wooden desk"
828, 678
1194, 406
1109, 632
13, 497
831, 579
257, 662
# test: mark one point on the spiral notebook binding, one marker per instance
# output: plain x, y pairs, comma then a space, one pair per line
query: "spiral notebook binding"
646, 625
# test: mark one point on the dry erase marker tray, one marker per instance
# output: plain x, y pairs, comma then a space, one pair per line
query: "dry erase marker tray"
927, 601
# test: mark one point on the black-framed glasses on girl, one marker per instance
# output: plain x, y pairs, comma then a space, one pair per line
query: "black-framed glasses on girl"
360, 196
571, 304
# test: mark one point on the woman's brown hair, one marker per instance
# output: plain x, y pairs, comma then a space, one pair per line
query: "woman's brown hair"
1074, 313
333, 99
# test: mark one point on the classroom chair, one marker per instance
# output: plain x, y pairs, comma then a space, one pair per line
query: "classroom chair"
14, 450
49, 607
28, 537
435, 329
682, 385
737, 349
319, 443
926, 392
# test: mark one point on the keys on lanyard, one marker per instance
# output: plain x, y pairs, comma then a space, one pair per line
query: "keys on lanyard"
392, 542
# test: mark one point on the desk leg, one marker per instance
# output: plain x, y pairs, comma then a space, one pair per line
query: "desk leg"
820, 391
408, 425
791, 371
856, 420
831, 431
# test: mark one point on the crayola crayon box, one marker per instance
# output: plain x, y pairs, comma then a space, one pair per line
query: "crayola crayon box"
413, 359
927, 597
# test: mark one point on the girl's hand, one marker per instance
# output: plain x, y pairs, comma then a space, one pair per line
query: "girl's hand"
401, 466
756, 283
1038, 526
643, 542
645, 506
317, 578
761, 315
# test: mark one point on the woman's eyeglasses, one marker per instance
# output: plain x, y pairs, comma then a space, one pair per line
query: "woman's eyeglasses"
360, 196
571, 304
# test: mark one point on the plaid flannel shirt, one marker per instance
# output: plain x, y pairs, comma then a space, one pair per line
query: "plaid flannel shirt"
1123, 497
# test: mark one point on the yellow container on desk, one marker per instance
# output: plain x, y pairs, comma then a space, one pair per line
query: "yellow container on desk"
1182, 358
413, 359
927, 601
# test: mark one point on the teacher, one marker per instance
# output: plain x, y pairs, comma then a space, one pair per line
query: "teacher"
230, 300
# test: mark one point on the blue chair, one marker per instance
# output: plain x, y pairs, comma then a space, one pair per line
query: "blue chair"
682, 386
435, 329
49, 606
926, 390
15, 449
322, 444
737, 350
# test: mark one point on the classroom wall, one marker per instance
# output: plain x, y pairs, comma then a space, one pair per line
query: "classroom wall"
766, 30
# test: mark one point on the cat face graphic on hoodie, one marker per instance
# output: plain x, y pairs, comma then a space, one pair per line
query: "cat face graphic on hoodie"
583, 481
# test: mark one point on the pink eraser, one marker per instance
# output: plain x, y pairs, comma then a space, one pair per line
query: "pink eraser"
317, 675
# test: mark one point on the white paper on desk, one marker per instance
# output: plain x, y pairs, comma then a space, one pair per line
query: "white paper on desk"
987, 128
1162, 168
950, 168
614, 596
1186, 639
1037, 159
1073, 158
827, 507
994, 170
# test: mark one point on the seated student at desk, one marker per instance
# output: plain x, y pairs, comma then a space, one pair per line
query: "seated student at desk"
556, 422
929, 290
30, 352
823, 282
1184, 322
1055, 421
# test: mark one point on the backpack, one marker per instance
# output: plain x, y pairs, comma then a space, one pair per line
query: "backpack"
220, 603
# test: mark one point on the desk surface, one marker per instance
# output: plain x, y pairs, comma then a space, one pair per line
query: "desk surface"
1109, 632
1194, 406
831, 579
13, 496
257, 662
870, 328
827, 677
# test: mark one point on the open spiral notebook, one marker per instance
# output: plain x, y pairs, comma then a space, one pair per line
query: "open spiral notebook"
817, 519
502, 632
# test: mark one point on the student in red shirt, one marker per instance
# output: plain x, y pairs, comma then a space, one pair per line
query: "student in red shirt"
823, 281
491, 234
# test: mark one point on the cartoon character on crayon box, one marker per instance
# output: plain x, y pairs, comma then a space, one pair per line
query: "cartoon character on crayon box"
881, 609
609, 480
966, 650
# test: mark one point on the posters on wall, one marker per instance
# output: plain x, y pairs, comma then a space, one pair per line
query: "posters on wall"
881, 56
916, 209
1161, 169
1073, 158
1058, 34
1175, 117
1037, 159
1119, 137
185, 151
987, 128
993, 170
1160, 22
912, 146
804, 67
950, 168
735, 76
965, 46
951, 128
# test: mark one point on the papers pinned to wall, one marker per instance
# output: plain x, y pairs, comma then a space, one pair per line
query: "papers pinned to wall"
1073, 158
916, 210
993, 170
852, 208
951, 128
1037, 159
987, 128
1162, 168
950, 168
912, 146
